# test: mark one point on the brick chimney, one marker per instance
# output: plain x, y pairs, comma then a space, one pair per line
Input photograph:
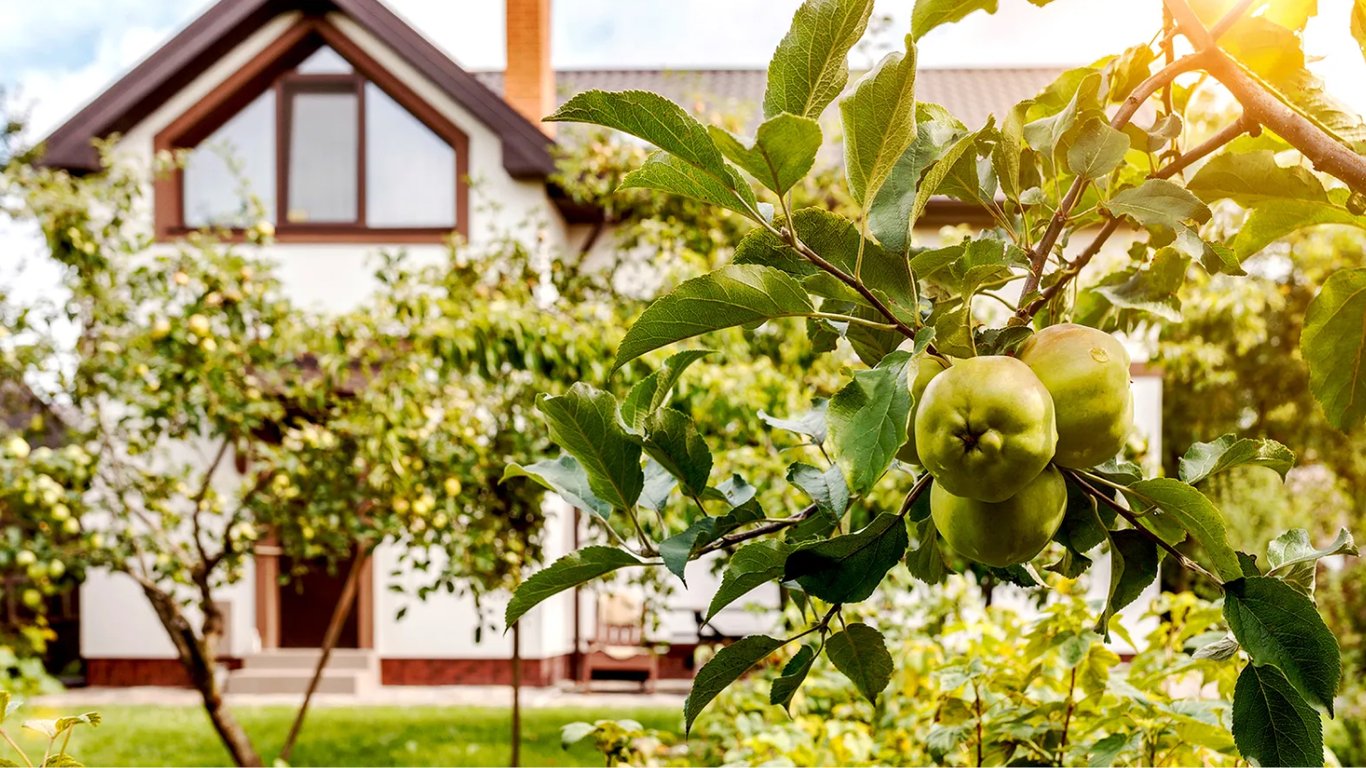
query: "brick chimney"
529, 82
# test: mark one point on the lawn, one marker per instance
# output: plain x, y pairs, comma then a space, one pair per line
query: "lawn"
162, 735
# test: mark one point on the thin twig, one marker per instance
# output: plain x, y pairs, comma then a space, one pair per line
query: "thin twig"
921, 484
1127, 514
764, 529
10, 741
1229, 19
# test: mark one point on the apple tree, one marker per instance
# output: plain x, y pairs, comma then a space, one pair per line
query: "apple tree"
1000, 433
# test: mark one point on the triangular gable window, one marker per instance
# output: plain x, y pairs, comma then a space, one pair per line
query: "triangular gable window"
332, 146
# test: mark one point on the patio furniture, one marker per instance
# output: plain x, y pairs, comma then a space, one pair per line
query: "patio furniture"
618, 645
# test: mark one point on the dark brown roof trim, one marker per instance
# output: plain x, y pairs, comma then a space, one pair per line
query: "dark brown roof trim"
526, 150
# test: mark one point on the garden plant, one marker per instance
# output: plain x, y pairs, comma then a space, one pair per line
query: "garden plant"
1001, 434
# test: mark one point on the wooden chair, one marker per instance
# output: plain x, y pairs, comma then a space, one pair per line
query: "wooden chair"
618, 644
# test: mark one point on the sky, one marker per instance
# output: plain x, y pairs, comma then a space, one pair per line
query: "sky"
57, 55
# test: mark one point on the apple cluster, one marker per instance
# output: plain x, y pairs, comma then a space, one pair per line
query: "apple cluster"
993, 431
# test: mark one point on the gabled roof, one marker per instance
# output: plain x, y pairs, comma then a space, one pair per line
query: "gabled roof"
526, 150
969, 93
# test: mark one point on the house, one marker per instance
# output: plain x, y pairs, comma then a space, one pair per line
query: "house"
328, 106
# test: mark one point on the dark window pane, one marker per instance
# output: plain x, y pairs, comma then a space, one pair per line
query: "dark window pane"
322, 158
231, 166
410, 171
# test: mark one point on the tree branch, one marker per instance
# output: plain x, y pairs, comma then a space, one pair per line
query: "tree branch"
1323, 150
1127, 514
1038, 258
1244, 124
766, 528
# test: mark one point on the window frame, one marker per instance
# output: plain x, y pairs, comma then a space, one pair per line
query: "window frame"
272, 69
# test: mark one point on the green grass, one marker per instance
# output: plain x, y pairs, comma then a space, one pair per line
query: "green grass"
341, 736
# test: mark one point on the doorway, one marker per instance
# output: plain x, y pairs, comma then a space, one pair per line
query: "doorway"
295, 614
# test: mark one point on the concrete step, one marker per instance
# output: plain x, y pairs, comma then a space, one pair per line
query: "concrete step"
295, 659
296, 681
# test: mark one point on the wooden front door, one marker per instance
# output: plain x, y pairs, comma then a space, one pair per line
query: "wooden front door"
306, 606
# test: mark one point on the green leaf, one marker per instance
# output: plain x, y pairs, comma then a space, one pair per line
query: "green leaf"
725, 667
1198, 515
1097, 149
1154, 288
1255, 178
563, 476
1106, 752
782, 153
810, 67
879, 123
659, 485
1294, 560
573, 733
810, 424
1229, 451
926, 562
568, 572
928, 14
1046, 135
847, 569
730, 296
651, 117
827, 488
1272, 725
7, 705
752, 566
1133, 566
889, 217
678, 549
666, 173
650, 393
1281, 628
868, 421
1158, 203
861, 654
1268, 223
794, 673
672, 439
935, 176
1333, 344
583, 422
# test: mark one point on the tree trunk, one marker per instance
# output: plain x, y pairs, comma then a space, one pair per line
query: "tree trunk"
196, 655
334, 628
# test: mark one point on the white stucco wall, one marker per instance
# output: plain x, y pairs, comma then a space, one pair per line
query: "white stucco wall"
117, 621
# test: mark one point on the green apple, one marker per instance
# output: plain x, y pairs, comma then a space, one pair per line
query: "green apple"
1002, 533
1087, 373
985, 428
923, 368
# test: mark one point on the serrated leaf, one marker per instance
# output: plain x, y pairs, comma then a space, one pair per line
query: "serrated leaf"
781, 154
752, 566
725, 667
810, 67
1294, 559
1272, 724
826, 488
1046, 135
678, 549
890, 216
583, 422
1334, 344
1197, 514
1096, 150
868, 421
811, 423
1106, 752
651, 117
672, 439
1133, 566
1222, 649
794, 673
935, 176
1229, 451
565, 477
1154, 288
1158, 203
879, 123
650, 393
659, 485
730, 296
663, 172
1255, 178
860, 653
847, 569
926, 562
1269, 223
568, 572
1281, 628
928, 14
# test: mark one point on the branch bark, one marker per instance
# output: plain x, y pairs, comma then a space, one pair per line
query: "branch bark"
1323, 150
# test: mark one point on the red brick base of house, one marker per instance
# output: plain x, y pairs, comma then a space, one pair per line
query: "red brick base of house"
675, 664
